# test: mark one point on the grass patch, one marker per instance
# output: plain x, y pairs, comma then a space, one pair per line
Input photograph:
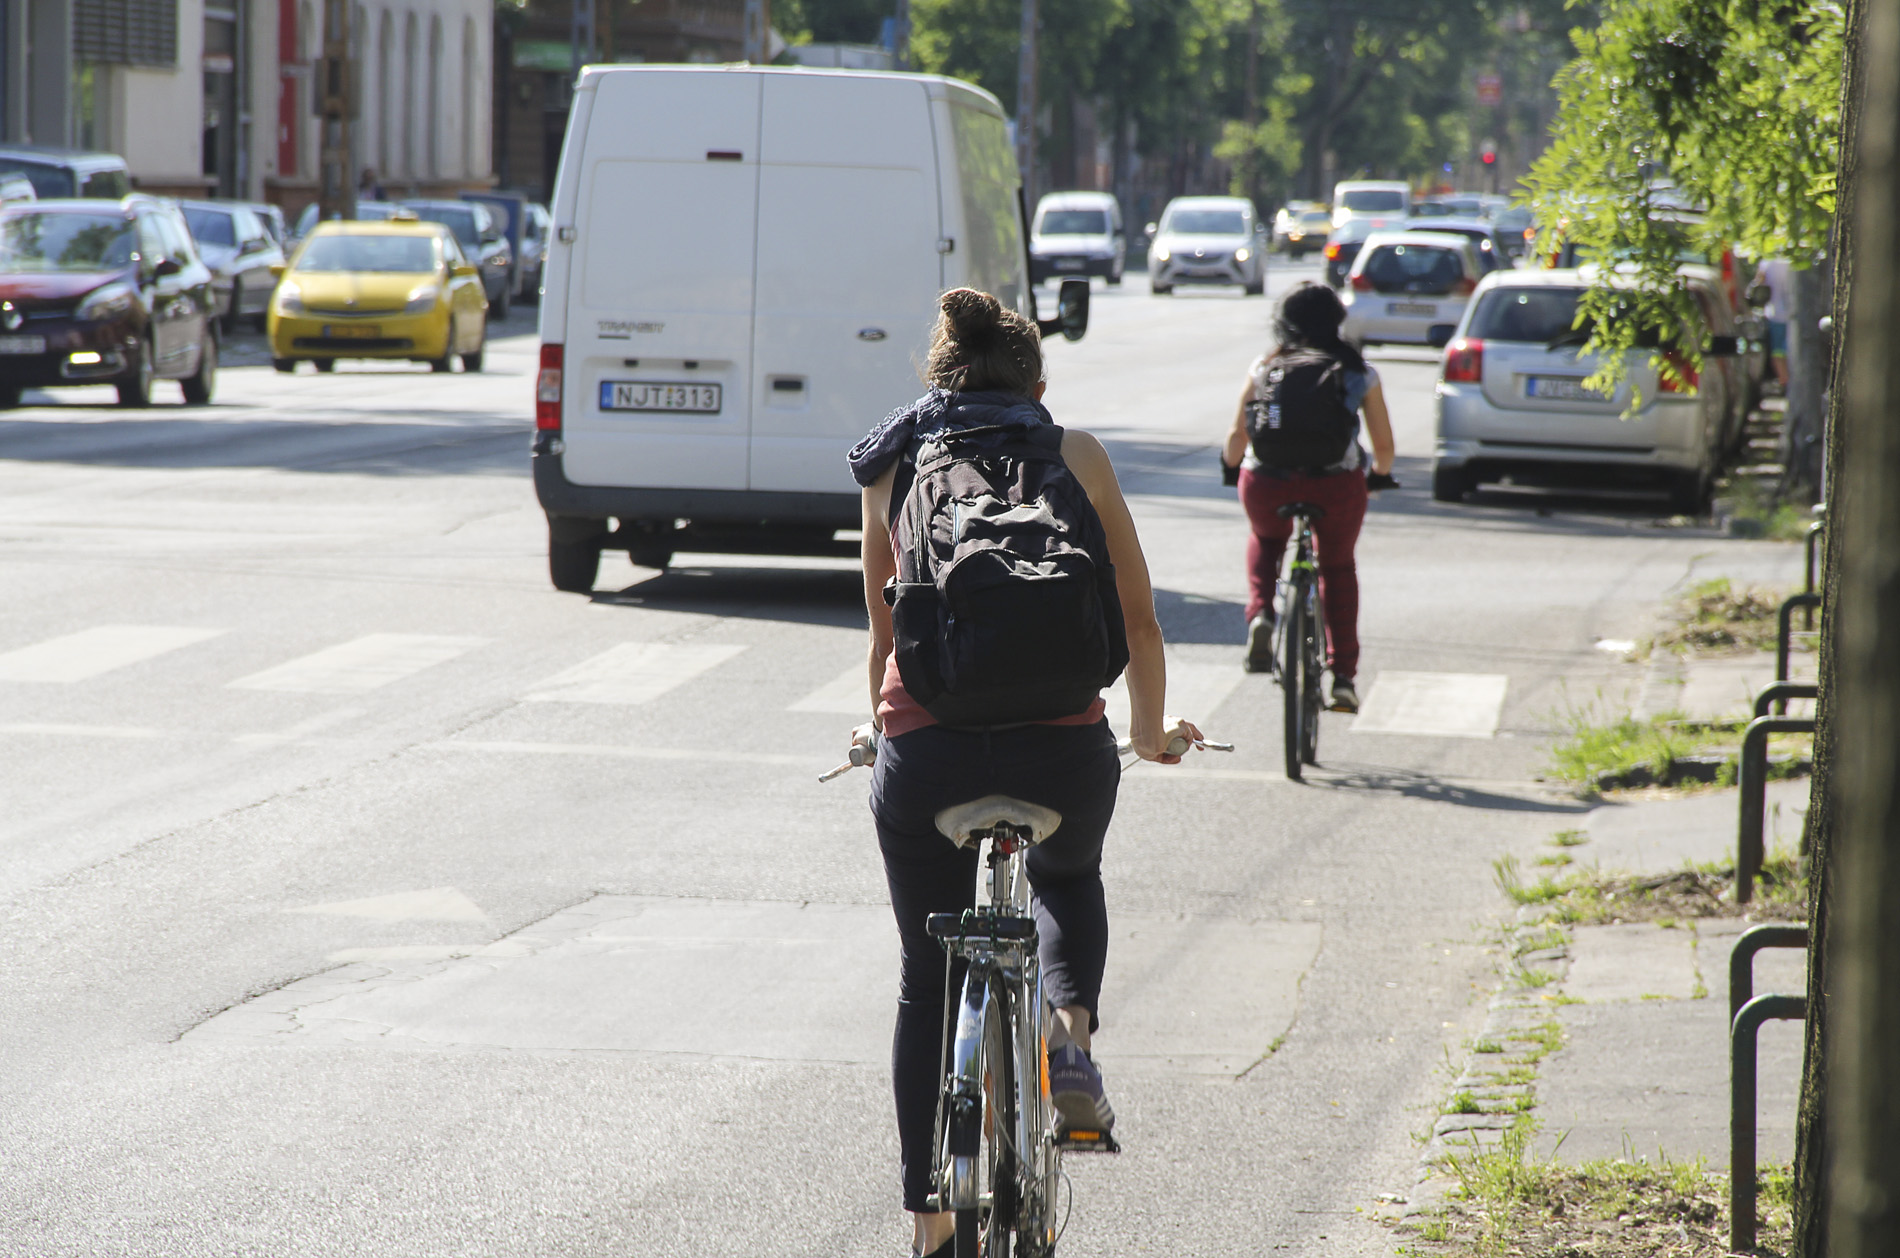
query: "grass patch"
1569, 838
1591, 745
1591, 897
1755, 501
1716, 616
1487, 1046
1463, 1103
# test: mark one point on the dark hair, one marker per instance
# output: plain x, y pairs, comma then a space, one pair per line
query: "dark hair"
980, 344
1309, 317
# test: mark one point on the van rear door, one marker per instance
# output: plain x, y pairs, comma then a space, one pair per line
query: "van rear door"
659, 325
848, 269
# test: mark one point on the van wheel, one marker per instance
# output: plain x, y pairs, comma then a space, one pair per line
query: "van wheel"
201, 384
572, 566
650, 556
1451, 484
9, 396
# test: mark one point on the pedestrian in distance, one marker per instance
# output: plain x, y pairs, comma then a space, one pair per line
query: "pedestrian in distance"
1021, 713
1775, 275
1295, 438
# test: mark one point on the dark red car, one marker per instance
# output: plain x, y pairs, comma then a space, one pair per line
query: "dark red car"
104, 292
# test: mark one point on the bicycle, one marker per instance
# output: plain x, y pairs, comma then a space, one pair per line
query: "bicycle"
998, 1149
1299, 642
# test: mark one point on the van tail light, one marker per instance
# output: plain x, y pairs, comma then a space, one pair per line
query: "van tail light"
1361, 284
1687, 379
1463, 286
1464, 361
1332, 252
547, 389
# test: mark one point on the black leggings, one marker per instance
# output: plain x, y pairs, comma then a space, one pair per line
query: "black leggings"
1073, 769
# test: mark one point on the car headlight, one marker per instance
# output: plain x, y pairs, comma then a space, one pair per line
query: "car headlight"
113, 301
1241, 255
1161, 253
289, 299
422, 301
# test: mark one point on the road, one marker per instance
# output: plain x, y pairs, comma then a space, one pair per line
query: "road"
363, 895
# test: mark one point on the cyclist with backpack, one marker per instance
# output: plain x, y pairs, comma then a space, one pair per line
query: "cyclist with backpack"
1296, 439
1012, 591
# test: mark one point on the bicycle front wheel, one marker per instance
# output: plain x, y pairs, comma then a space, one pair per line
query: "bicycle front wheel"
986, 1131
1293, 663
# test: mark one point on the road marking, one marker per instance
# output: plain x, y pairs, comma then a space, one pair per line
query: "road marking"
1194, 692
90, 652
847, 694
1445, 705
81, 731
618, 751
364, 664
438, 904
633, 672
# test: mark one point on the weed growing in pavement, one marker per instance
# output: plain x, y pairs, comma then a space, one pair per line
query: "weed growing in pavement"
1487, 1046
1591, 897
1750, 498
1569, 838
1594, 745
1555, 860
1715, 616
1463, 1103
1549, 939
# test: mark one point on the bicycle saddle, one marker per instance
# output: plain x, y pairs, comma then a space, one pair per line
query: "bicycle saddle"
959, 821
1306, 509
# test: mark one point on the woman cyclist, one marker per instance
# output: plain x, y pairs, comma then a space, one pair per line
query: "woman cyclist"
985, 368
1309, 319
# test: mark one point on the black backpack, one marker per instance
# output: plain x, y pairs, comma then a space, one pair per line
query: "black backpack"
1004, 604
1298, 419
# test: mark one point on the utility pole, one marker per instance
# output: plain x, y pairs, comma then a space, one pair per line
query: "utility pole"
900, 35
1026, 104
580, 37
336, 98
758, 31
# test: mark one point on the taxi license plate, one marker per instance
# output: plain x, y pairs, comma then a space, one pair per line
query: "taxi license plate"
643, 395
22, 345
352, 331
1411, 308
1560, 388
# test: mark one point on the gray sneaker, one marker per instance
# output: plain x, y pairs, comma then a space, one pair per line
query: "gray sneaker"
1075, 1085
1260, 644
1345, 698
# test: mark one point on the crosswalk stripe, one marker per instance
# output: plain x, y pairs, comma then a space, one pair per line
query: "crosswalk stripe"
1195, 690
847, 694
100, 649
633, 672
1445, 705
360, 665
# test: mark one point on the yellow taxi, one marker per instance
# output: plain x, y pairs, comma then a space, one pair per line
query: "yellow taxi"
395, 289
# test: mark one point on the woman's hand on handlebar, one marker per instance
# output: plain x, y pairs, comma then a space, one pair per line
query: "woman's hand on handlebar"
864, 744
1168, 746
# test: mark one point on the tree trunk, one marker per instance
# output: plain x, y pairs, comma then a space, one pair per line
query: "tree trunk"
1807, 379
1863, 961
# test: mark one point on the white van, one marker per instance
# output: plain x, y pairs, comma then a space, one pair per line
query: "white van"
1384, 198
1077, 233
743, 277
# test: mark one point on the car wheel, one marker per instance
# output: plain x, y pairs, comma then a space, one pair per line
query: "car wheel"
1256, 288
1450, 484
442, 364
234, 315
9, 396
201, 384
136, 389
325, 364
285, 365
1161, 290
473, 362
1689, 493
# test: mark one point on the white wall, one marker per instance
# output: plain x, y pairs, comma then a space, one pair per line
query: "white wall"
407, 137
155, 116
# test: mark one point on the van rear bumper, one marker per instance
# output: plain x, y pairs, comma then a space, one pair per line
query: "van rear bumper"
726, 521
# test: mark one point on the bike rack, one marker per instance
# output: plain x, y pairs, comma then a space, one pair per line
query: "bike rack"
1741, 959
1741, 1140
1782, 691
1784, 629
1811, 543
1754, 782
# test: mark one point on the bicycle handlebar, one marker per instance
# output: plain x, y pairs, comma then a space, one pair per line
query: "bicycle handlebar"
1177, 746
864, 754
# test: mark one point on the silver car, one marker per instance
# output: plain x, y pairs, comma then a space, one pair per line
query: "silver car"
1403, 284
1511, 402
1208, 240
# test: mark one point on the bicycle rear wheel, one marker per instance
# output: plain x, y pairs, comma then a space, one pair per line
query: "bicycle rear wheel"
1312, 697
1293, 664
988, 1131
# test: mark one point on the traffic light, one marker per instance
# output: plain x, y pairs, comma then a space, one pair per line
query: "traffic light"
1489, 157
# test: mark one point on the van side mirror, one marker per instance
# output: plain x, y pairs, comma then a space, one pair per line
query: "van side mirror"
1759, 296
1723, 347
1439, 334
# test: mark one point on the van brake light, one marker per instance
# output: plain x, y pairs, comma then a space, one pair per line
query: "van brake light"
547, 390
1464, 361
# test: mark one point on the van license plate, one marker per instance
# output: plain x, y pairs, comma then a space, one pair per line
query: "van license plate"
352, 331
641, 395
22, 345
1560, 388
1068, 264
1411, 308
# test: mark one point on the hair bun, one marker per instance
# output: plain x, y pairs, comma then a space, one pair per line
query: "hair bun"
972, 315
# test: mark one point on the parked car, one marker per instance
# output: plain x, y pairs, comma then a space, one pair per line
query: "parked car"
536, 232
1290, 213
398, 289
1491, 254
1342, 245
1208, 240
366, 212
1404, 284
1380, 198
243, 258
1511, 400
15, 188
1077, 233
1308, 233
58, 172
272, 216
745, 292
479, 233
103, 292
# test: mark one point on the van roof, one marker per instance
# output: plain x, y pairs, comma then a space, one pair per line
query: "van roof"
1075, 198
937, 85
1221, 202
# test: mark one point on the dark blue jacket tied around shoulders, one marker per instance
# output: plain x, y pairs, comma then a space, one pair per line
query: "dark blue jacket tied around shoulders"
905, 430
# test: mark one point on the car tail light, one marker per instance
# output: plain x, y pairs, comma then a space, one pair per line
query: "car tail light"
1464, 361
547, 389
1463, 285
1362, 283
1332, 251
1687, 380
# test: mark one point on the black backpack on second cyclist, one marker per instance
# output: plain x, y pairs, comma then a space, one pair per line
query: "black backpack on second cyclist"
1004, 605
1298, 420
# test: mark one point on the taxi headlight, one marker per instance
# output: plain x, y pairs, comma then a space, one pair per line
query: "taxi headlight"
422, 301
110, 302
289, 299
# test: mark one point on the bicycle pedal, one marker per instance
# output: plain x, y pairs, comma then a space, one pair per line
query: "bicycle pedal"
1079, 1140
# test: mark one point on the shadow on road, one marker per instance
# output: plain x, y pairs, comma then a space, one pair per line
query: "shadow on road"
1199, 619
810, 596
1371, 779
458, 443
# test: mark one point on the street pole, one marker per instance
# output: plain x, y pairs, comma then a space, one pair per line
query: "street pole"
900, 35
1026, 104
336, 108
580, 36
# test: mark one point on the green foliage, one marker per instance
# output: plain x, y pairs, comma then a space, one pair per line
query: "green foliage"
1685, 126
1594, 745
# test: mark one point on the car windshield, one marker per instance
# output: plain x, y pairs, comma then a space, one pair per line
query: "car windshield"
1431, 209
1413, 269
391, 254
1540, 316
461, 222
1074, 223
1207, 223
31, 242
211, 227
1373, 200
48, 181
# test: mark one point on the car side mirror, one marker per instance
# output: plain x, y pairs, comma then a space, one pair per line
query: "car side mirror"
1149, 231
1723, 347
1759, 296
166, 266
1439, 334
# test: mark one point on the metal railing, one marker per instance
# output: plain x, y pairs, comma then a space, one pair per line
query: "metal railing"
1811, 542
1746, 1014
1782, 691
1753, 772
1784, 631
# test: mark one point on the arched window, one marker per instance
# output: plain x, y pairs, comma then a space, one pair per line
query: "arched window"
410, 65
432, 110
387, 114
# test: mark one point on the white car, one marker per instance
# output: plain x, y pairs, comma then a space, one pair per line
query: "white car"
1077, 233
1384, 198
1404, 284
1208, 240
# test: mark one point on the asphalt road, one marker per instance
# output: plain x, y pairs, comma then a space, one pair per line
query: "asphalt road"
363, 895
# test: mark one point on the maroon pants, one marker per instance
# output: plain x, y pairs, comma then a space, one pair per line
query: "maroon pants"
1343, 498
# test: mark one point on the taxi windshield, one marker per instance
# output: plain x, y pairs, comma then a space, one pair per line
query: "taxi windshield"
386, 254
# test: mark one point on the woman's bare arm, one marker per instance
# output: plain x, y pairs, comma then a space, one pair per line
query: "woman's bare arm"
880, 565
1379, 428
1236, 447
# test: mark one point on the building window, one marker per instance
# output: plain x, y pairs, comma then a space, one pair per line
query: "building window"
126, 32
